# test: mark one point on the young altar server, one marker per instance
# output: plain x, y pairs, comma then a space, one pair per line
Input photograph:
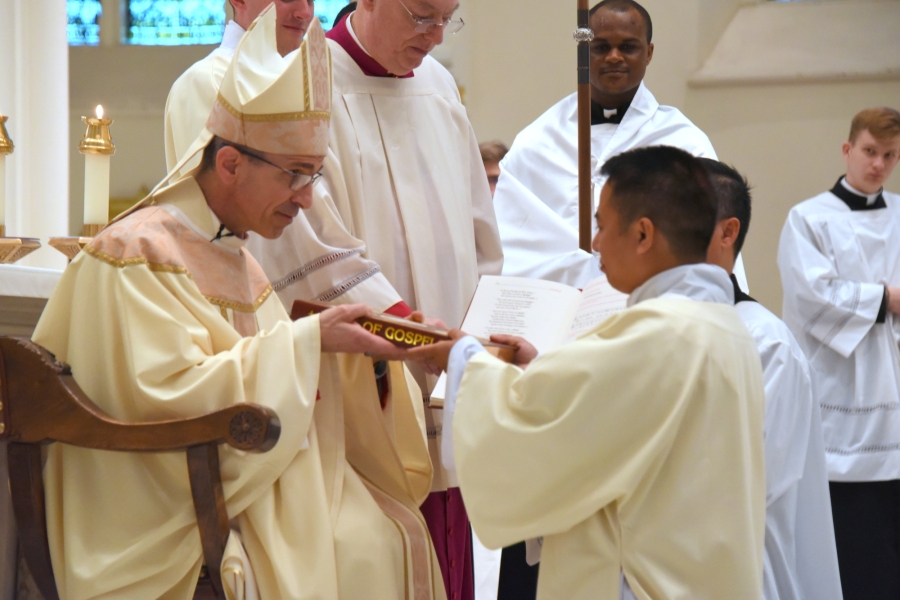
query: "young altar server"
801, 559
166, 314
537, 194
840, 268
636, 450
332, 266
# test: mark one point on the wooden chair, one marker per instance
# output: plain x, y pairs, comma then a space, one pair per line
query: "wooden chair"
40, 403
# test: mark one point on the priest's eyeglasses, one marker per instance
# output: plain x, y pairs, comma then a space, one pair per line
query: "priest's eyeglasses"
299, 180
426, 25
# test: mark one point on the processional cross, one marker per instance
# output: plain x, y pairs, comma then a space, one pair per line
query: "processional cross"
583, 36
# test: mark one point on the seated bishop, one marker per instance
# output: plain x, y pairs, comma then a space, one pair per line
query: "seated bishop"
167, 315
636, 451
537, 194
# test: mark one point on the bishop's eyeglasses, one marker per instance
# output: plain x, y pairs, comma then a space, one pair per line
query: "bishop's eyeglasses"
425, 25
299, 180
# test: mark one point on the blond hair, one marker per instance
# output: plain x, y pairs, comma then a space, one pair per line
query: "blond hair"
882, 122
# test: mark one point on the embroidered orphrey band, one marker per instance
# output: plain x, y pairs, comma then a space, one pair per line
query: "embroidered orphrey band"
311, 266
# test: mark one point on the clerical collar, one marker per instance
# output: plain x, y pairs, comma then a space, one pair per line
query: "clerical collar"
223, 233
700, 282
346, 39
232, 36
856, 200
739, 294
600, 115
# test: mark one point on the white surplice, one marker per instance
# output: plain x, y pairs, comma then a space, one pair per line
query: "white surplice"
604, 481
537, 196
835, 263
801, 557
415, 190
318, 259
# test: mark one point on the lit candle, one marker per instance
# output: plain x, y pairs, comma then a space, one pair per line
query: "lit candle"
97, 147
6, 147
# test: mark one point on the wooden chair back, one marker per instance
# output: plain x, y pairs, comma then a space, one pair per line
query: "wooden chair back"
40, 403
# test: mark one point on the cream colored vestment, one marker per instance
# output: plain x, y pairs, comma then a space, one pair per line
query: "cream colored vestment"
157, 323
637, 449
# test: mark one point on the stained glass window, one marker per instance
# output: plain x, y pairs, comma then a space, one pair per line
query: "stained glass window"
327, 10
174, 22
84, 22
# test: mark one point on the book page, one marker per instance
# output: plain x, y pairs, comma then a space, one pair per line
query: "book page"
539, 311
599, 301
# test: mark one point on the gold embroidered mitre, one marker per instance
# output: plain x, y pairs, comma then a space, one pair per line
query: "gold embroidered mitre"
274, 104
267, 102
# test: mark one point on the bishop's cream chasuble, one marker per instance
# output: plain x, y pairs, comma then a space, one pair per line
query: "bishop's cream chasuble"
635, 450
159, 322
836, 256
320, 260
801, 557
537, 195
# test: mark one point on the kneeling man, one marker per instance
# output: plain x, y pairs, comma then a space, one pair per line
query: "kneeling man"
636, 450
165, 315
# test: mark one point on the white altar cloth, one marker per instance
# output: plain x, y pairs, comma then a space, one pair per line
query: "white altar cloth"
28, 282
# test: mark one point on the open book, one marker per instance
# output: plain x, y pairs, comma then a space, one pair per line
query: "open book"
545, 313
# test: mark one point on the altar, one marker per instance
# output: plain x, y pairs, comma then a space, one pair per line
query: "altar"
23, 295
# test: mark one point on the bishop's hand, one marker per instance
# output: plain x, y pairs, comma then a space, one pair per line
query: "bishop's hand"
340, 332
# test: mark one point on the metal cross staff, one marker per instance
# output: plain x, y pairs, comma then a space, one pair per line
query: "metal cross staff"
584, 35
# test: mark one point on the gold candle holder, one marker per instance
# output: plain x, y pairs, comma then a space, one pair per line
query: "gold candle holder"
97, 139
6, 144
97, 146
11, 248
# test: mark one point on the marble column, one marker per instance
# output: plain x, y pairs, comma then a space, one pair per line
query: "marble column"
34, 92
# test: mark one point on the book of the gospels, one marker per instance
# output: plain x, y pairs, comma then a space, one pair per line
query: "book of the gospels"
546, 313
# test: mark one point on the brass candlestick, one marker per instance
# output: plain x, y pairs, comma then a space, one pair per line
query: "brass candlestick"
97, 139
11, 248
97, 146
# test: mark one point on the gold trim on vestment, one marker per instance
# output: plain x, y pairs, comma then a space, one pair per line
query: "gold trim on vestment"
240, 307
400, 515
306, 115
130, 262
305, 64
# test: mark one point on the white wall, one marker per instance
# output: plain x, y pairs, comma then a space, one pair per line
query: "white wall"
131, 82
33, 85
785, 137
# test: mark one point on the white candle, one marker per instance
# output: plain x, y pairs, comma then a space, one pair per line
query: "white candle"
96, 170
2, 189
96, 189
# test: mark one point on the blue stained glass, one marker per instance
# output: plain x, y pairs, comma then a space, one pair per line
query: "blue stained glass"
84, 22
327, 10
174, 22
